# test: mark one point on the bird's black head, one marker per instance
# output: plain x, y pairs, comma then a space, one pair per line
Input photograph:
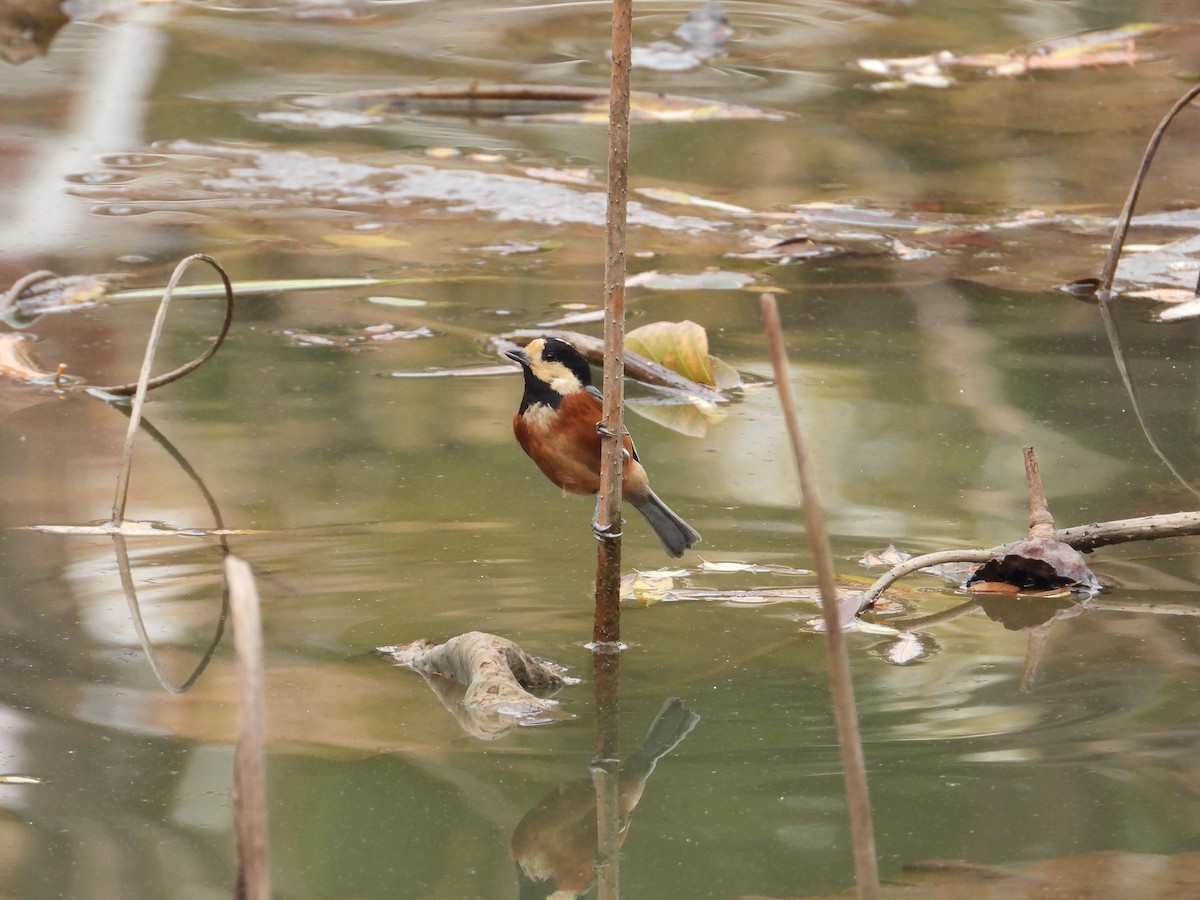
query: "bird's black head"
553, 369
554, 350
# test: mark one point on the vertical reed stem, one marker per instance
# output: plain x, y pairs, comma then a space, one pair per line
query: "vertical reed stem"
858, 801
607, 626
249, 781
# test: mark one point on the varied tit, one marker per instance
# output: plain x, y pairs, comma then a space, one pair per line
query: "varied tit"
554, 845
557, 426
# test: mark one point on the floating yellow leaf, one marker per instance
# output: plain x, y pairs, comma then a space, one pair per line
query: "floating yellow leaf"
679, 346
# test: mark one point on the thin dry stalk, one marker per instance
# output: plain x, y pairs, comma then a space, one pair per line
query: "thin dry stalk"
1104, 289
607, 625
126, 390
249, 781
1122, 229
841, 685
144, 381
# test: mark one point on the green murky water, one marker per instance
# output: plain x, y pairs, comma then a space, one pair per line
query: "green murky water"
387, 508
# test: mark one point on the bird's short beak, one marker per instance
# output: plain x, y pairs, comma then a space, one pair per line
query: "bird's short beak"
517, 356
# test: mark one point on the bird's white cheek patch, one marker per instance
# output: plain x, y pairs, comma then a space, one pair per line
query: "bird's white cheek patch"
566, 384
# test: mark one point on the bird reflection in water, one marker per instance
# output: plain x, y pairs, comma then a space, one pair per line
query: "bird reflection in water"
554, 845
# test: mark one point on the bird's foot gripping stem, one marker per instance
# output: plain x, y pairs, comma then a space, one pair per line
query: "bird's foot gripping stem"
607, 532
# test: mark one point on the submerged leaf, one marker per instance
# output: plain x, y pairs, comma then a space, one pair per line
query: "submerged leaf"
691, 418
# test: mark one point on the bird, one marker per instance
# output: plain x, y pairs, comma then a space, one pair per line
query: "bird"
555, 843
557, 425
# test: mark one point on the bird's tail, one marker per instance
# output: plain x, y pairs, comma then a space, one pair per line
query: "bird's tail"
673, 723
676, 535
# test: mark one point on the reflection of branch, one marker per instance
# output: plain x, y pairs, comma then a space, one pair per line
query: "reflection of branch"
135, 614
606, 770
123, 567
1035, 648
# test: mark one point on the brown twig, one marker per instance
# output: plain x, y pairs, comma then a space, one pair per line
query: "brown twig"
1041, 523
1143, 528
250, 787
858, 800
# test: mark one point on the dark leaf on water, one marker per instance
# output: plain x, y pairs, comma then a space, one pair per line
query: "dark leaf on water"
1034, 566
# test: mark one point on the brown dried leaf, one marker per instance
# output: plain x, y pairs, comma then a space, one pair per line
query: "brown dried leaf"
1035, 566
